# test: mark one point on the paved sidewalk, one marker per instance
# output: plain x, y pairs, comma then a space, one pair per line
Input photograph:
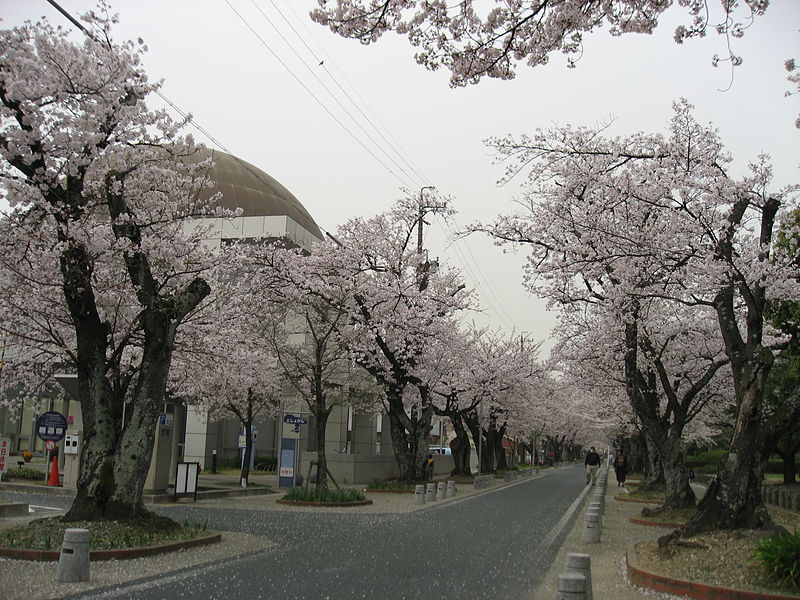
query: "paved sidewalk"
609, 577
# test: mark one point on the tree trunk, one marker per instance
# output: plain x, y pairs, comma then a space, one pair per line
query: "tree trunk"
114, 465
679, 493
789, 470
321, 420
460, 448
501, 461
734, 500
654, 470
409, 436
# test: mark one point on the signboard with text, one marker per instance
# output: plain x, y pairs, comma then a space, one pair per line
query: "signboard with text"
5, 448
51, 425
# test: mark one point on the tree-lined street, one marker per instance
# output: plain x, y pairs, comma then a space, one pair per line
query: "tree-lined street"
497, 544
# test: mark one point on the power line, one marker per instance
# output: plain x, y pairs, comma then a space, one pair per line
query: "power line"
497, 307
307, 89
390, 142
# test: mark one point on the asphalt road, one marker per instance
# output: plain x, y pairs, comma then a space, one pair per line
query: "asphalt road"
493, 545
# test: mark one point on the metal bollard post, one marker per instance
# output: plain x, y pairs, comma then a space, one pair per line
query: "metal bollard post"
580, 564
591, 531
571, 586
73, 563
430, 495
441, 490
451, 489
419, 494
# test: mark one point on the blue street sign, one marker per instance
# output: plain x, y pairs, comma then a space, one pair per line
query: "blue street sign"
296, 421
51, 425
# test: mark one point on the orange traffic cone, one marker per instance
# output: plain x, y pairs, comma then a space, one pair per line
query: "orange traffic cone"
54, 473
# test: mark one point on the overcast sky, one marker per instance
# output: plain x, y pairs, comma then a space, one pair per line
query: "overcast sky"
251, 92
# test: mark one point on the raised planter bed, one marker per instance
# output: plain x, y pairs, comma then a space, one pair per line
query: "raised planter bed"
637, 500
121, 554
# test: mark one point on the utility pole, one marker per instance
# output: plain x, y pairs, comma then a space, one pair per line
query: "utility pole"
422, 269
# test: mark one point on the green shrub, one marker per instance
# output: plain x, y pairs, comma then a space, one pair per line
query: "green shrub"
298, 494
390, 484
780, 556
25, 473
709, 458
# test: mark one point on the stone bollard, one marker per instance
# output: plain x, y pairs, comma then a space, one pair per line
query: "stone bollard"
441, 490
451, 489
596, 506
430, 495
571, 586
73, 563
419, 494
580, 564
591, 530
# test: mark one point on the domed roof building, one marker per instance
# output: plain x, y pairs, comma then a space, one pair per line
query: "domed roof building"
268, 209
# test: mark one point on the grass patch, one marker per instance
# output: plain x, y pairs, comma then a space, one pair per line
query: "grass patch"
48, 534
653, 493
298, 494
677, 516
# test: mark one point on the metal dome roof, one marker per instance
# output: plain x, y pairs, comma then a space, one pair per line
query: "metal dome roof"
249, 188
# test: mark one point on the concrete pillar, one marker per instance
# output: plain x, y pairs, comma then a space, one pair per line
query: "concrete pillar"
571, 586
419, 494
580, 564
451, 489
441, 490
73, 563
430, 495
592, 528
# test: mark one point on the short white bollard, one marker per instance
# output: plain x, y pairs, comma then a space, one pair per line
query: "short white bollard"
73, 563
430, 495
441, 490
419, 494
591, 531
580, 564
571, 586
451, 489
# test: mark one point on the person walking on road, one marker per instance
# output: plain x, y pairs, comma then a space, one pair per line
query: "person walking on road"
620, 468
592, 463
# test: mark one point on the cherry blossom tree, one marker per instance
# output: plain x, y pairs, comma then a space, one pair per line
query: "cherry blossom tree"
661, 217
223, 364
99, 197
302, 328
474, 45
394, 303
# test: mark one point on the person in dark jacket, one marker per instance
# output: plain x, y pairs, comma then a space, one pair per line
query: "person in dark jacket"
621, 468
592, 463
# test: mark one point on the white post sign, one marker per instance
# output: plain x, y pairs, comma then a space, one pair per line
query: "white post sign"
5, 448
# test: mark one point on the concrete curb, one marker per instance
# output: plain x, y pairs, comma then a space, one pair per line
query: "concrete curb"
324, 504
691, 589
13, 509
122, 554
636, 500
